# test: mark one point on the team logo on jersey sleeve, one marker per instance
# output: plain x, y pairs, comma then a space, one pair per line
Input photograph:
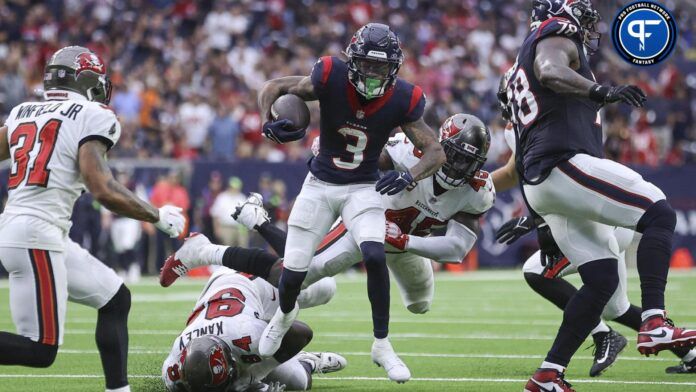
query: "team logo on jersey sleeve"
644, 33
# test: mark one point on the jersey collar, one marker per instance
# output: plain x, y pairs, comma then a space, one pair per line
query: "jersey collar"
62, 95
371, 107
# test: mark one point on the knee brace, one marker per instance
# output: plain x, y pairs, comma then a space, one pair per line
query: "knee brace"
659, 215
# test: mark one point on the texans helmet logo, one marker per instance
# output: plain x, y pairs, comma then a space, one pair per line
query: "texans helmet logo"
87, 61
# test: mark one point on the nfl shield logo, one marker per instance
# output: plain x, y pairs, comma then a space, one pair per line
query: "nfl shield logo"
360, 114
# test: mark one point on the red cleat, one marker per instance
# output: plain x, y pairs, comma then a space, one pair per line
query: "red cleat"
548, 380
658, 333
187, 257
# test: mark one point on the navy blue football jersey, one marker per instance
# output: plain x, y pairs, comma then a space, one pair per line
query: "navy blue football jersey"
353, 131
551, 127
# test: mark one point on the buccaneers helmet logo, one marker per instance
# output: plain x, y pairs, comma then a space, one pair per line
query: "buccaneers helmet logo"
218, 364
87, 61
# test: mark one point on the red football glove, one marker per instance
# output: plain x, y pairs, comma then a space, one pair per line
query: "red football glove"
395, 237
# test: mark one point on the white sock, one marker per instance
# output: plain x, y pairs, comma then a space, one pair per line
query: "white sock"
122, 389
601, 327
690, 356
211, 254
651, 312
549, 365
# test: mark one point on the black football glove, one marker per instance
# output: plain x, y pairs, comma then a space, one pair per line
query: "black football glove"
628, 94
394, 182
550, 252
513, 229
282, 131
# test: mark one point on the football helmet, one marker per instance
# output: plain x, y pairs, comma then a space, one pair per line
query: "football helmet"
374, 58
207, 365
78, 69
465, 140
579, 11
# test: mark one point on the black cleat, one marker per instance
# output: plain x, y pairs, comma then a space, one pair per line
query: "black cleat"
608, 345
683, 368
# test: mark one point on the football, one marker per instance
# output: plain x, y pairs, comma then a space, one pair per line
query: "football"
293, 108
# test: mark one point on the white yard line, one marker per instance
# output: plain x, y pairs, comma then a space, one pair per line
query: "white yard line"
381, 379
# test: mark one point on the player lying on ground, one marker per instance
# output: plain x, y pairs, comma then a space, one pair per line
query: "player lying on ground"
58, 148
554, 102
454, 198
361, 101
218, 349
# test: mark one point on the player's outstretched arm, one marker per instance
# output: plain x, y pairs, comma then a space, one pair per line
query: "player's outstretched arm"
461, 235
4, 147
505, 177
552, 66
425, 139
272, 89
106, 190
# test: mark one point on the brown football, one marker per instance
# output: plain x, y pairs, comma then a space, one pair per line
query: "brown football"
293, 108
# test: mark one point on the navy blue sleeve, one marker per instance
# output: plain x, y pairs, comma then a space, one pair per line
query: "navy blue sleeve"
320, 75
416, 105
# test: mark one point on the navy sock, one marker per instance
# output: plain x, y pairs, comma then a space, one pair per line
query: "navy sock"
253, 261
20, 350
377, 286
557, 290
631, 318
112, 338
654, 253
289, 288
274, 236
583, 311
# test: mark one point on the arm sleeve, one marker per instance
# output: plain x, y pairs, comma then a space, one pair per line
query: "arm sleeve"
101, 124
450, 248
416, 105
320, 75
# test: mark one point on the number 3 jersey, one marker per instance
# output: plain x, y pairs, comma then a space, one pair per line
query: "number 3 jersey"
552, 127
354, 130
232, 306
419, 210
44, 181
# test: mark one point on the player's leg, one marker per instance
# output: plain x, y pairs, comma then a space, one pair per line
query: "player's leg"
414, 277
92, 283
613, 194
38, 296
296, 373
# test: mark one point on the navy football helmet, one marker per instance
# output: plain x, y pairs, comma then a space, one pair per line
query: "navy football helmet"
466, 141
374, 58
579, 11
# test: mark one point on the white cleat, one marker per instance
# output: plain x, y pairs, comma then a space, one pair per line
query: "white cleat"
323, 362
188, 256
272, 336
251, 213
383, 355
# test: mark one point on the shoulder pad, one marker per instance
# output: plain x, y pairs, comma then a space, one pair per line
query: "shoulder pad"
484, 197
558, 26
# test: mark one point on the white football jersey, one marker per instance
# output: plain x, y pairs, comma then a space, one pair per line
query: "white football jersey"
44, 138
232, 306
419, 210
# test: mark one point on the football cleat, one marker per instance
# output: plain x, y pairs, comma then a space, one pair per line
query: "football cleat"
658, 333
683, 368
187, 257
272, 336
607, 348
548, 380
321, 363
383, 355
251, 213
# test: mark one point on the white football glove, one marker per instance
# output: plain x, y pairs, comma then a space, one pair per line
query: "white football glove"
393, 230
171, 221
315, 146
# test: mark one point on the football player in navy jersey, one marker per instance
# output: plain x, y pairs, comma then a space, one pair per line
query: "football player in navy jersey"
554, 101
361, 102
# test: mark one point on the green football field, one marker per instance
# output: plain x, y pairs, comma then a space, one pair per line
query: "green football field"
487, 331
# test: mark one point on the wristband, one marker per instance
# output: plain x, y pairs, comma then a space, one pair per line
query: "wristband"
598, 93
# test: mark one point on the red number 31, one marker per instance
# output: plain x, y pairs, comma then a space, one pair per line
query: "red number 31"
38, 175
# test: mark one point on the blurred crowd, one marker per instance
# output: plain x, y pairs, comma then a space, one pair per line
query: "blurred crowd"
186, 72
